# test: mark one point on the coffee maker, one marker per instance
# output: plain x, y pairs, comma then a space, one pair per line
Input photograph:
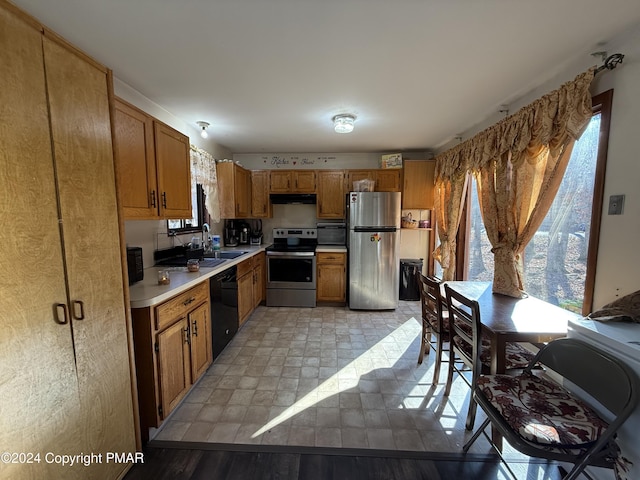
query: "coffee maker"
230, 234
243, 232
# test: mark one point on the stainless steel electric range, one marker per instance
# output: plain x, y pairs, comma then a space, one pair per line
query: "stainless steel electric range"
291, 268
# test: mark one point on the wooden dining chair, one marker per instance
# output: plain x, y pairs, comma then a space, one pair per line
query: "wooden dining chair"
542, 416
469, 351
435, 322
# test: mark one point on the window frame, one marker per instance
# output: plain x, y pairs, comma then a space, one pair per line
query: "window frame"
601, 103
200, 216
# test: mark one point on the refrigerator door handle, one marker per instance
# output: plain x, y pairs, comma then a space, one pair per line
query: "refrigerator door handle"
376, 229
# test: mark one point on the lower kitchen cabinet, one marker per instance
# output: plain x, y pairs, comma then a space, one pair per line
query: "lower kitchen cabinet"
259, 283
251, 285
331, 281
173, 349
245, 290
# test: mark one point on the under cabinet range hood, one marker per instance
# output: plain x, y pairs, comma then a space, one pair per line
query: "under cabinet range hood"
293, 198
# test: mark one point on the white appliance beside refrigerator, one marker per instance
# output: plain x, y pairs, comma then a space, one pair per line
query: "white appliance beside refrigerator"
622, 340
374, 249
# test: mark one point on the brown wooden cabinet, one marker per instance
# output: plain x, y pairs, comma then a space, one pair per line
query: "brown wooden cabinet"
234, 190
331, 195
260, 204
331, 281
174, 171
245, 290
153, 165
173, 348
385, 180
201, 347
259, 279
174, 376
417, 190
293, 181
251, 285
66, 379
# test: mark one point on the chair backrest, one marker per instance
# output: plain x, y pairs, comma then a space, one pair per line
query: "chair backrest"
608, 380
431, 301
465, 327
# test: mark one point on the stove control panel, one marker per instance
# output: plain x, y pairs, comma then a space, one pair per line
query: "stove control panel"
295, 233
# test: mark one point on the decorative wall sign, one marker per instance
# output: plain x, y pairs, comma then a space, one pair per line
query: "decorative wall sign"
307, 160
293, 161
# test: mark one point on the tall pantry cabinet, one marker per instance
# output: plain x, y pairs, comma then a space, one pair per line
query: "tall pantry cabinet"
65, 380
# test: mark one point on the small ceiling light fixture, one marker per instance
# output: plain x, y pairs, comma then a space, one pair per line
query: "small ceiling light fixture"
344, 123
204, 126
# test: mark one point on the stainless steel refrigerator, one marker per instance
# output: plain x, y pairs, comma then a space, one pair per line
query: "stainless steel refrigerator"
374, 247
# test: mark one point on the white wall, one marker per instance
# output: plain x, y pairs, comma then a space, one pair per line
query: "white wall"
618, 257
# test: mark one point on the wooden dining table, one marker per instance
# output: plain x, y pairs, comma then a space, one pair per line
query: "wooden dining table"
508, 319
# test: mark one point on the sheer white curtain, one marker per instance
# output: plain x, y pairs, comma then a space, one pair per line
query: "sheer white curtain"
203, 171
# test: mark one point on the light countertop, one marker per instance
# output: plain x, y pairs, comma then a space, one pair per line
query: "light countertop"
147, 292
331, 248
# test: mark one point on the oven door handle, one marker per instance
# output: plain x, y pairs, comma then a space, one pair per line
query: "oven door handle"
291, 255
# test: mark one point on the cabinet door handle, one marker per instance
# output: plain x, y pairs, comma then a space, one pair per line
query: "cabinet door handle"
164, 199
195, 328
153, 198
61, 308
186, 335
78, 305
188, 301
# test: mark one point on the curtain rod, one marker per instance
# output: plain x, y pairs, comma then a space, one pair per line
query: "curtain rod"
611, 62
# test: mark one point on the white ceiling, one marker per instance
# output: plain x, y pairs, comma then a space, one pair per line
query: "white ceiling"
269, 75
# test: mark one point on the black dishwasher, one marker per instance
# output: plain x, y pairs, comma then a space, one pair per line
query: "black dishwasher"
224, 308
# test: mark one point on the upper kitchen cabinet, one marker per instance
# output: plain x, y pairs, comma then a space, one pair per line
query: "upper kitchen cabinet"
136, 161
154, 174
385, 179
260, 204
331, 199
66, 378
174, 171
417, 191
234, 190
293, 181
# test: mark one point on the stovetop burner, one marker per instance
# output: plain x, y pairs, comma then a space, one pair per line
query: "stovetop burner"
294, 240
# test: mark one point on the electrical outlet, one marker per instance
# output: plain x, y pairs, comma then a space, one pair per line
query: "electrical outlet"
616, 203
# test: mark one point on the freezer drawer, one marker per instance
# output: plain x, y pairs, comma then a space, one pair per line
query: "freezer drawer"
374, 270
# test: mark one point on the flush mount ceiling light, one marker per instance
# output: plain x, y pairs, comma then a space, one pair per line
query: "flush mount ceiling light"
344, 123
204, 126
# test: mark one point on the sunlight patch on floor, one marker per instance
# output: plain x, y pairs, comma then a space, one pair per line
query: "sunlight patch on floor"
346, 378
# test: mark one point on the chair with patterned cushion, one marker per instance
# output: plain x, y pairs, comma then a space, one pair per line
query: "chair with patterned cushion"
435, 322
469, 351
570, 416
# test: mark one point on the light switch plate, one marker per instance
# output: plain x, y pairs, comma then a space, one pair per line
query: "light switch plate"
616, 202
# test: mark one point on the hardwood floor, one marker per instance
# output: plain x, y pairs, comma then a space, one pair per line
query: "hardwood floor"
200, 461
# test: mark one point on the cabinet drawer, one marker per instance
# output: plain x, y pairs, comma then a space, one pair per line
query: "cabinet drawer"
179, 305
331, 258
245, 267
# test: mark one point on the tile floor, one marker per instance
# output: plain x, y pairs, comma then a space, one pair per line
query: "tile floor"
330, 377
326, 377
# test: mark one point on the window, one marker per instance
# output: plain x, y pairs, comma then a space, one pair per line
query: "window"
194, 224
560, 260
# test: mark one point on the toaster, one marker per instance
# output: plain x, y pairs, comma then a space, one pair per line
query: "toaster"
135, 267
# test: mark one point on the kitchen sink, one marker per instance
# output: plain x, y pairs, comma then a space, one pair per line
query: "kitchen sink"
227, 254
212, 262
